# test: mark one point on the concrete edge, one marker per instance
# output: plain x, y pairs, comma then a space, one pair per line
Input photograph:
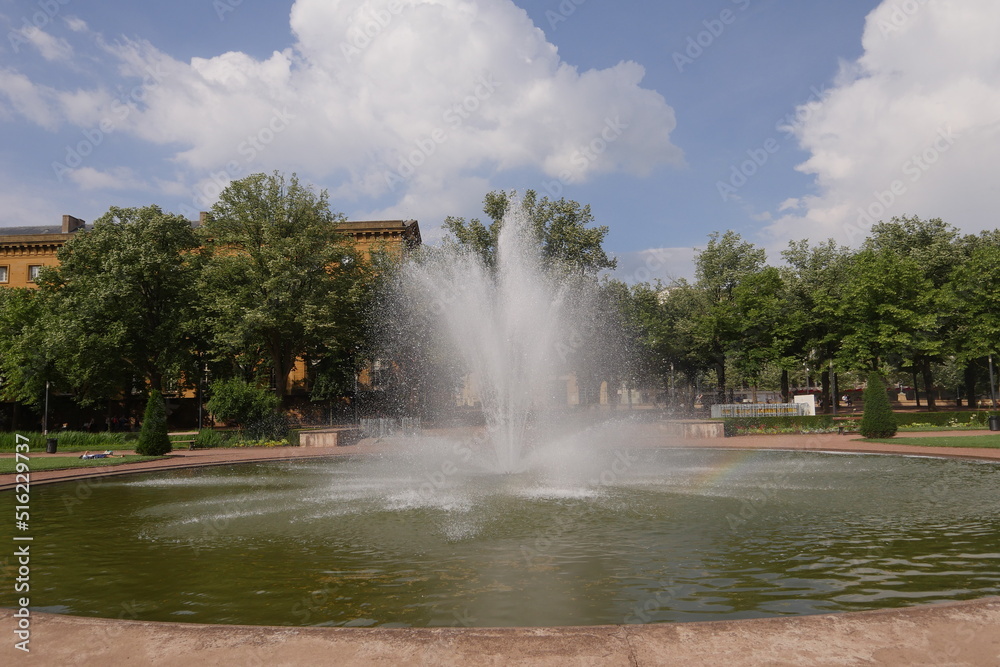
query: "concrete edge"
954, 633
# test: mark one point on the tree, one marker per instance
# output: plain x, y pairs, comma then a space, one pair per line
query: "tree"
721, 268
120, 304
897, 305
975, 294
153, 437
813, 325
280, 280
666, 318
25, 361
761, 308
563, 228
878, 421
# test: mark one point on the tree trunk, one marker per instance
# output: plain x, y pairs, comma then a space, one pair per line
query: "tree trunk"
916, 389
970, 384
928, 374
786, 392
825, 395
281, 365
720, 375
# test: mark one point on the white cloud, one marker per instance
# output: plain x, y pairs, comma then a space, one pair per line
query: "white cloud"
76, 24
118, 178
24, 98
911, 128
51, 48
392, 101
664, 264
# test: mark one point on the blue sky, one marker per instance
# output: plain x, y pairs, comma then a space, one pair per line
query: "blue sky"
780, 119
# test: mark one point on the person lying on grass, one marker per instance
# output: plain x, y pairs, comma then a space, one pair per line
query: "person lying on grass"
108, 454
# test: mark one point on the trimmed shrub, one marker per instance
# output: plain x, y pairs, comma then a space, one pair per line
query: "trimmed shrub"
248, 406
153, 438
878, 420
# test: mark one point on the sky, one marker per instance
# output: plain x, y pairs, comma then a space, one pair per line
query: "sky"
779, 119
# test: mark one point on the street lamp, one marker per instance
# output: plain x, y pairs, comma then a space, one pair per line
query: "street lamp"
993, 394
45, 415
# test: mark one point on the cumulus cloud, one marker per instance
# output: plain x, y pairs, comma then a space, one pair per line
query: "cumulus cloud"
394, 101
911, 128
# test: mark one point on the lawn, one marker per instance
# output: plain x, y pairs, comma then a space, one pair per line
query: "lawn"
979, 441
77, 441
37, 464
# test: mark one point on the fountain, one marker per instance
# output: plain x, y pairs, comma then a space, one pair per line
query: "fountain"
530, 523
504, 323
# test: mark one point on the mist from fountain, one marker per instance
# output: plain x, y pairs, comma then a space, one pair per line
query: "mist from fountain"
505, 322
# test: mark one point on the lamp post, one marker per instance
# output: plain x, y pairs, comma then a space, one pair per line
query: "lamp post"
993, 393
45, 415
836, 396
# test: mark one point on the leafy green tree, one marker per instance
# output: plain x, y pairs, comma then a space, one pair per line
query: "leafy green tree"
666, 317
25, 360
878, 420
566, 236
725, 264
280, 280
153, 437
975, 293
812, 327
120, 305
898, 306
761, 306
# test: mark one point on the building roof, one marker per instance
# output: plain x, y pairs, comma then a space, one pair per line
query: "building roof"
31, 231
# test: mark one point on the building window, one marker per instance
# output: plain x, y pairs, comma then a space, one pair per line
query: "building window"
33, 270
3, 274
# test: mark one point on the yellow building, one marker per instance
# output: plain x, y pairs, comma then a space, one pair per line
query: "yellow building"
395, 236
25, 250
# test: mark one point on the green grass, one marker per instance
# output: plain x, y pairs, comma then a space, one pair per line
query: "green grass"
925, 428
8, 464
978, 441
70, 441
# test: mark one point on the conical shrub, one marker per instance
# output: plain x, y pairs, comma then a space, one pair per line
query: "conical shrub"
878, 420
153, 438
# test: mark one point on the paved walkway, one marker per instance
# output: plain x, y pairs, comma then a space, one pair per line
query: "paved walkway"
966, 633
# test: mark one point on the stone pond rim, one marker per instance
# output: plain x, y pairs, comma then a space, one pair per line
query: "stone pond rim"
959, 632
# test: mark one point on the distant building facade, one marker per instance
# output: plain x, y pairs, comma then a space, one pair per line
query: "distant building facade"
394, 236
25, 250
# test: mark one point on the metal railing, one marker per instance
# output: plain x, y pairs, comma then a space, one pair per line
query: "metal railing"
759, 410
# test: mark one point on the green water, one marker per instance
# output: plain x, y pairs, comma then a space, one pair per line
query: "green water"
667, 535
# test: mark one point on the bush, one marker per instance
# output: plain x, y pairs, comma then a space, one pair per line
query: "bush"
878, 420
153, 438
240, 403
209, 439
735, 426
974, 419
